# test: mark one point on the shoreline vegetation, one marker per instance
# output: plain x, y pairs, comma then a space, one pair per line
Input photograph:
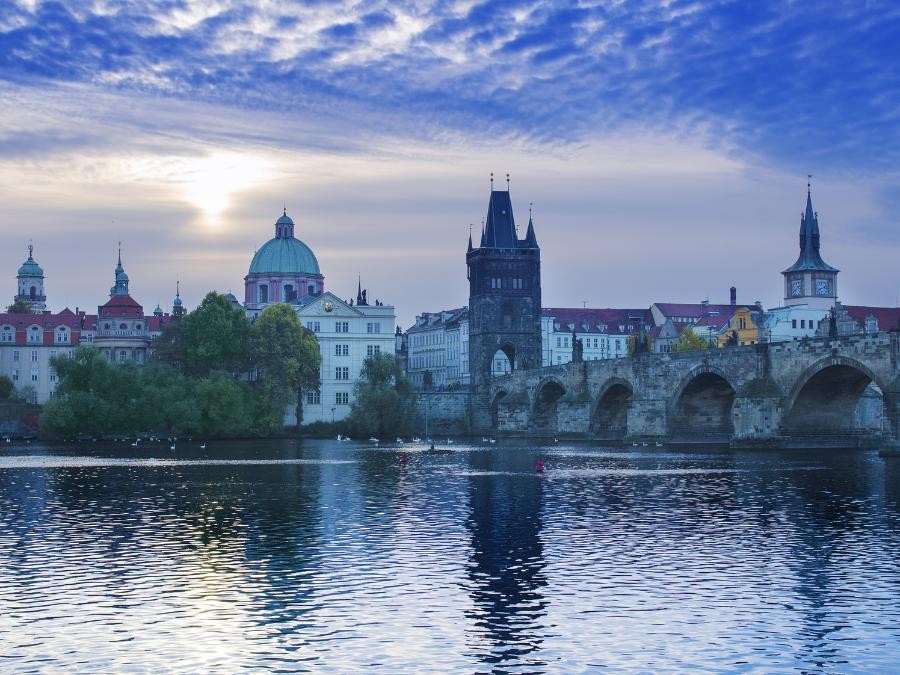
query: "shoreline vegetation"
214, 374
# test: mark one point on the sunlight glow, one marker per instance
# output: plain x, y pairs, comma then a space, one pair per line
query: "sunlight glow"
209, 183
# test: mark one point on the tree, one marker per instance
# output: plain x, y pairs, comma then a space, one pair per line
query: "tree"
385, 402
7, 388
215, 337
168, 346
689, 341
19, 307
286, 356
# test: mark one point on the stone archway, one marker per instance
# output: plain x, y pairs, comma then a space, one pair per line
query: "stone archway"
545, 407
838, 395
702, 407
609, 418
503, 361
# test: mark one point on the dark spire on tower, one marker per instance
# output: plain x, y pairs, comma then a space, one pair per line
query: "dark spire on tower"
530, 238
470, 238
810, 258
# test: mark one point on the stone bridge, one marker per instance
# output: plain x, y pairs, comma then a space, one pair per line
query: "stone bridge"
810, 392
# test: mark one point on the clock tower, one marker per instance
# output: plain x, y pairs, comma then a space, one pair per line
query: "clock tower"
810, 281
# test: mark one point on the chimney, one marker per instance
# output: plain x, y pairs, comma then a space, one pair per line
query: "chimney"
733, 296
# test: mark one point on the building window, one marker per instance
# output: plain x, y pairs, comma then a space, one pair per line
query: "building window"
341, 398
313, 397
52, 375
802, 323
16, 355
342, 327
34, 374
34, 355
8, 334
372, 350
559, 342
793, 323
15, 375
342, 373
263, 293
123, 355
342, 350
314, 326
373, 327
565, 342
34, 335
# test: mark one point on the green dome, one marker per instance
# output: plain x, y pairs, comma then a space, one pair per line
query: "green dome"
284, 220
30, 269
283, 256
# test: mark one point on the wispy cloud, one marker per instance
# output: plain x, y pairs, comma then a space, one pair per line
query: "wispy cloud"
805, 84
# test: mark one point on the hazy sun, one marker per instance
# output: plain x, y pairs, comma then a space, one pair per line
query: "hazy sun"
209, 183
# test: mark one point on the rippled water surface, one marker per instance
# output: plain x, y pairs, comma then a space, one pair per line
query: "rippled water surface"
337, 557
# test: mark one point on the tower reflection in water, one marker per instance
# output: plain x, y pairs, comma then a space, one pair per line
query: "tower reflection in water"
506, 564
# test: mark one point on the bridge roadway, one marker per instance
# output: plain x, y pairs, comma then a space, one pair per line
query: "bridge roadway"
810, 392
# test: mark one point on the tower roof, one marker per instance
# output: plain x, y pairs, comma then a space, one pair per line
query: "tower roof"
809, 258
30, 268
500, 225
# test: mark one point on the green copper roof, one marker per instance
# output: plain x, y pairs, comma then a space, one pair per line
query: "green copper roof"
284, 255
30, 269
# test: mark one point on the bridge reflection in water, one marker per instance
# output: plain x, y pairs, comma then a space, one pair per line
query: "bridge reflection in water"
811, 392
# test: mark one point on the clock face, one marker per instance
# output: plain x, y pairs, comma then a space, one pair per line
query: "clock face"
821, 287
796, 287
328, 307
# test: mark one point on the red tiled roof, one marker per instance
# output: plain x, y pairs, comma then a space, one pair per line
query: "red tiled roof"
122, 301
45, 320
693, 308
888, 317
611, 317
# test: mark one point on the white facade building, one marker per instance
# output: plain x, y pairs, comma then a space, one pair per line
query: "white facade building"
286, 270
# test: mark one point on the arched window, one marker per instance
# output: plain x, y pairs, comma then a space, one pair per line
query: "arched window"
263, 293
33, 292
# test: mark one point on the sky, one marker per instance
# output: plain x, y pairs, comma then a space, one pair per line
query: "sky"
665, 146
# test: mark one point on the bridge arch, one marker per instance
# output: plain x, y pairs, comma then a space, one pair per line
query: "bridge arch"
609, 412
826, 397
702, 405
544, 416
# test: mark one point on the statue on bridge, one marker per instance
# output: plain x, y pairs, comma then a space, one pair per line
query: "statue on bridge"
577, 348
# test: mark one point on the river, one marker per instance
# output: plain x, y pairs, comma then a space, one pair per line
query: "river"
335, 557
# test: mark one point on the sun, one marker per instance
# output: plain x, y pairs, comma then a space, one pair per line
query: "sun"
209, 183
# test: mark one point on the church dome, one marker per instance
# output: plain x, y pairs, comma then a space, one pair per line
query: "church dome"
30, 268
284, 254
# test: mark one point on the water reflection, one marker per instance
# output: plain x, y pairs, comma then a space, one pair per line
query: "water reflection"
326, 556
506, 560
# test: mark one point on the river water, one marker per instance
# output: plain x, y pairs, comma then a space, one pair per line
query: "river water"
326, 556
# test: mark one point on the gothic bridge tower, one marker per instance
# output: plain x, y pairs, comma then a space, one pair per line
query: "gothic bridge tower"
504, 294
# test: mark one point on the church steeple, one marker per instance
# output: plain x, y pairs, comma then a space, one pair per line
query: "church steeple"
810, 280
530, 238
177, 304
121, 285
30, 283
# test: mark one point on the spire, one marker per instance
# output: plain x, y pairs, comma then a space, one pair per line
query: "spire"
470, 239
360, 293
177, 304
530, 237
810, 258
121, 285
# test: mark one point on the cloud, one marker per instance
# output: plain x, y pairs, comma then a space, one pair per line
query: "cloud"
800, 84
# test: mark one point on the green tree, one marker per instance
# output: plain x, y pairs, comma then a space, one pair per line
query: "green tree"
19, 307
214, 337
286, 355
7, 388
385, 402
689, 341
168, 346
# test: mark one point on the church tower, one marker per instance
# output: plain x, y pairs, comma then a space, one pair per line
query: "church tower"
30, 284
121, 285
504, 293
810, 281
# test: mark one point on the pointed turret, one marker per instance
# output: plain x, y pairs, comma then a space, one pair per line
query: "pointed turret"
121, 285
530, 237
177, 304
810, 258
469, 249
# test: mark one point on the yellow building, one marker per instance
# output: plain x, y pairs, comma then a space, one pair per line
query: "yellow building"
744, 325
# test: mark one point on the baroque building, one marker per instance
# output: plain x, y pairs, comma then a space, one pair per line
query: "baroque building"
285, 270
504, 275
